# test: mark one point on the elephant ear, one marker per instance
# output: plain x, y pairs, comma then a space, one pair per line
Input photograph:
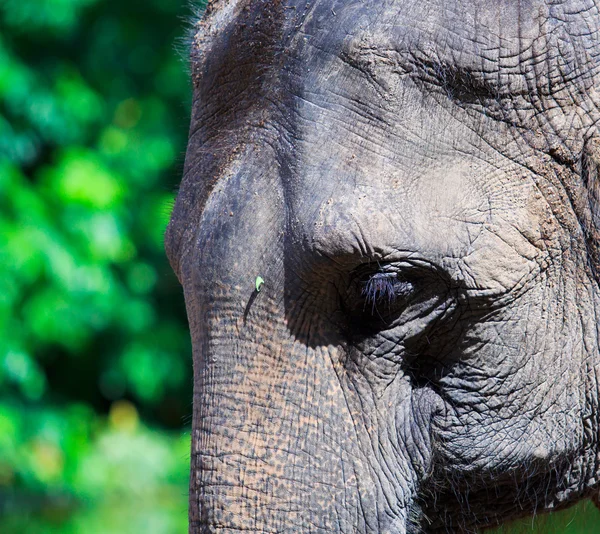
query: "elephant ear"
590, 173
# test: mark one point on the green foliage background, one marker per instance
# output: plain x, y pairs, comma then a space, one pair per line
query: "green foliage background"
95, 382
95, 369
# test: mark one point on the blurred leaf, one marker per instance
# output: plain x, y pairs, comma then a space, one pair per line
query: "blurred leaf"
81, 178
19, 368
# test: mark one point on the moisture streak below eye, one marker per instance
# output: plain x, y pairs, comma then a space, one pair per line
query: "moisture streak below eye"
384, 288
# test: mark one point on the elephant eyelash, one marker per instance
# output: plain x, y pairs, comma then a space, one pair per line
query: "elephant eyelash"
384, 289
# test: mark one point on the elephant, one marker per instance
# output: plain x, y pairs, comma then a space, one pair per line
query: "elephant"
387, 237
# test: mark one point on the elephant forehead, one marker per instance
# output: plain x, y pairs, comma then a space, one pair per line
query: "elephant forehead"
478, 35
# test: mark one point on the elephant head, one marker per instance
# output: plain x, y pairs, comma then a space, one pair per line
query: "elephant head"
416, 185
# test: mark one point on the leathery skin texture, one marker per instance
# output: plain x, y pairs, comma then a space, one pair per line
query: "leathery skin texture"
417, 184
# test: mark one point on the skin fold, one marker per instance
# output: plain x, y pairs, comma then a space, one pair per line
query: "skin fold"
417, 184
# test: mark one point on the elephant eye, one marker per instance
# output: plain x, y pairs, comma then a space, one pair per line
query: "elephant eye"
376, 296
380, 297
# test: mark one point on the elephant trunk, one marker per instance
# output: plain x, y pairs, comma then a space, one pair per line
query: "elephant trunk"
268, 451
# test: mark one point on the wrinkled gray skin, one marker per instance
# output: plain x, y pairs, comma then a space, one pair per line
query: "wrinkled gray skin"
416, 182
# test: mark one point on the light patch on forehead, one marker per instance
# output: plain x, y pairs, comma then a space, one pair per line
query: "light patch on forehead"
219, 14
220, 11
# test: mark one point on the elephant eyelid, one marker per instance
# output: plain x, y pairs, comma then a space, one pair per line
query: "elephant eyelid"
384, 288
